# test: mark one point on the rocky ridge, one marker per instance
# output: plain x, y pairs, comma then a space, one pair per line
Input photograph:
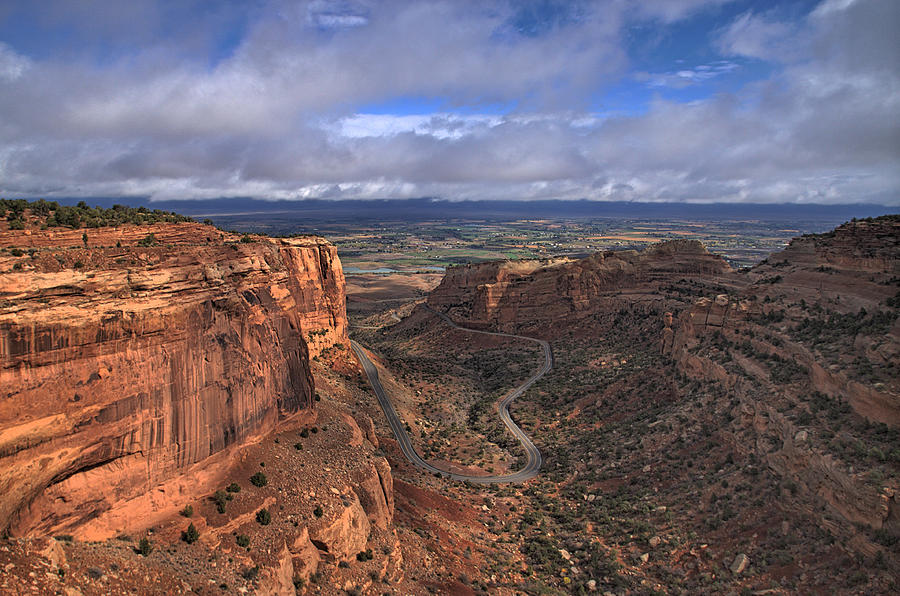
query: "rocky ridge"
503, 294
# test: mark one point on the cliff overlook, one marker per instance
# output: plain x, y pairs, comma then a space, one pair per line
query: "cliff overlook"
136, 359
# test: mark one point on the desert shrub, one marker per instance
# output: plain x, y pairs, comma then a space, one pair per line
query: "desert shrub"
263, 517
145, 547
221, 500
234, 487
242, 540
259, 479
887, 539
82, 215
543, 553
188, 511
318, 512
250, 573
148, 240
785, 371
191, 535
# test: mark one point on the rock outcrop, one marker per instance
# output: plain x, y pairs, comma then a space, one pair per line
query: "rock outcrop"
501, 294
346, 533
146, 353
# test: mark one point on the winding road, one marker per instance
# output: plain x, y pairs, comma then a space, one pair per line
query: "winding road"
533, 464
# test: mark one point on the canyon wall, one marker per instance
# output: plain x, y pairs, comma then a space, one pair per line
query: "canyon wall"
826, 307
135, 360
504, 293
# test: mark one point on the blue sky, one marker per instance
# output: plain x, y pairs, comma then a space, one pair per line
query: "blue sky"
675, 100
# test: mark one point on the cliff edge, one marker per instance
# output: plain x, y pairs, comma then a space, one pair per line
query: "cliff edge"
134, 360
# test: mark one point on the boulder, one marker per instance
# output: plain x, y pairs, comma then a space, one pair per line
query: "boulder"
740, 563
345, 535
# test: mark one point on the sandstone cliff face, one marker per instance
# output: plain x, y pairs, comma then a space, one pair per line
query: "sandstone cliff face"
500, 294
123, 368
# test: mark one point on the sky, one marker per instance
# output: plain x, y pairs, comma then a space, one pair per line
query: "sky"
621, 100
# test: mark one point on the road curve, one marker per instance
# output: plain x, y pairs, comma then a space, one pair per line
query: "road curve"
533, 464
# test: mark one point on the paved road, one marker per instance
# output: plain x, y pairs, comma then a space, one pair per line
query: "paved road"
532, 466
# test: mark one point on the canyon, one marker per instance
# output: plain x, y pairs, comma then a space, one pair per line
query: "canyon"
704, 428
791, 366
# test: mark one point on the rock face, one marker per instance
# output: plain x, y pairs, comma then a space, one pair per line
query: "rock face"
500, 294
376, 493
866, 245
345, 534
124, 367
278, 580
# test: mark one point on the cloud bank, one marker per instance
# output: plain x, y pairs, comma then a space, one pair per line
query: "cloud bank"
271, 102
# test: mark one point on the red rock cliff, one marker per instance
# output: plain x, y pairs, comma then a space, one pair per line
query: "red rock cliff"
129, 373
506, 292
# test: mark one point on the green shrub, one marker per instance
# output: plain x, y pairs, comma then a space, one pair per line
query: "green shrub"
148, 240
263, 517
318, 512
221, 500
259, 479
234, 487
188, 511
145, 547
242, 540
191, 535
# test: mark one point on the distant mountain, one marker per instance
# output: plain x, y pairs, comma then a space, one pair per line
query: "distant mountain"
424, 208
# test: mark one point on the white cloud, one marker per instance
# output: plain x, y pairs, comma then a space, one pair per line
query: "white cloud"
829, 7
12, 65
439, 125
756, 36
669, 11
686, 77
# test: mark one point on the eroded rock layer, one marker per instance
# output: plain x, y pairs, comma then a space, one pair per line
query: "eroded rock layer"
129, 360
504, 293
